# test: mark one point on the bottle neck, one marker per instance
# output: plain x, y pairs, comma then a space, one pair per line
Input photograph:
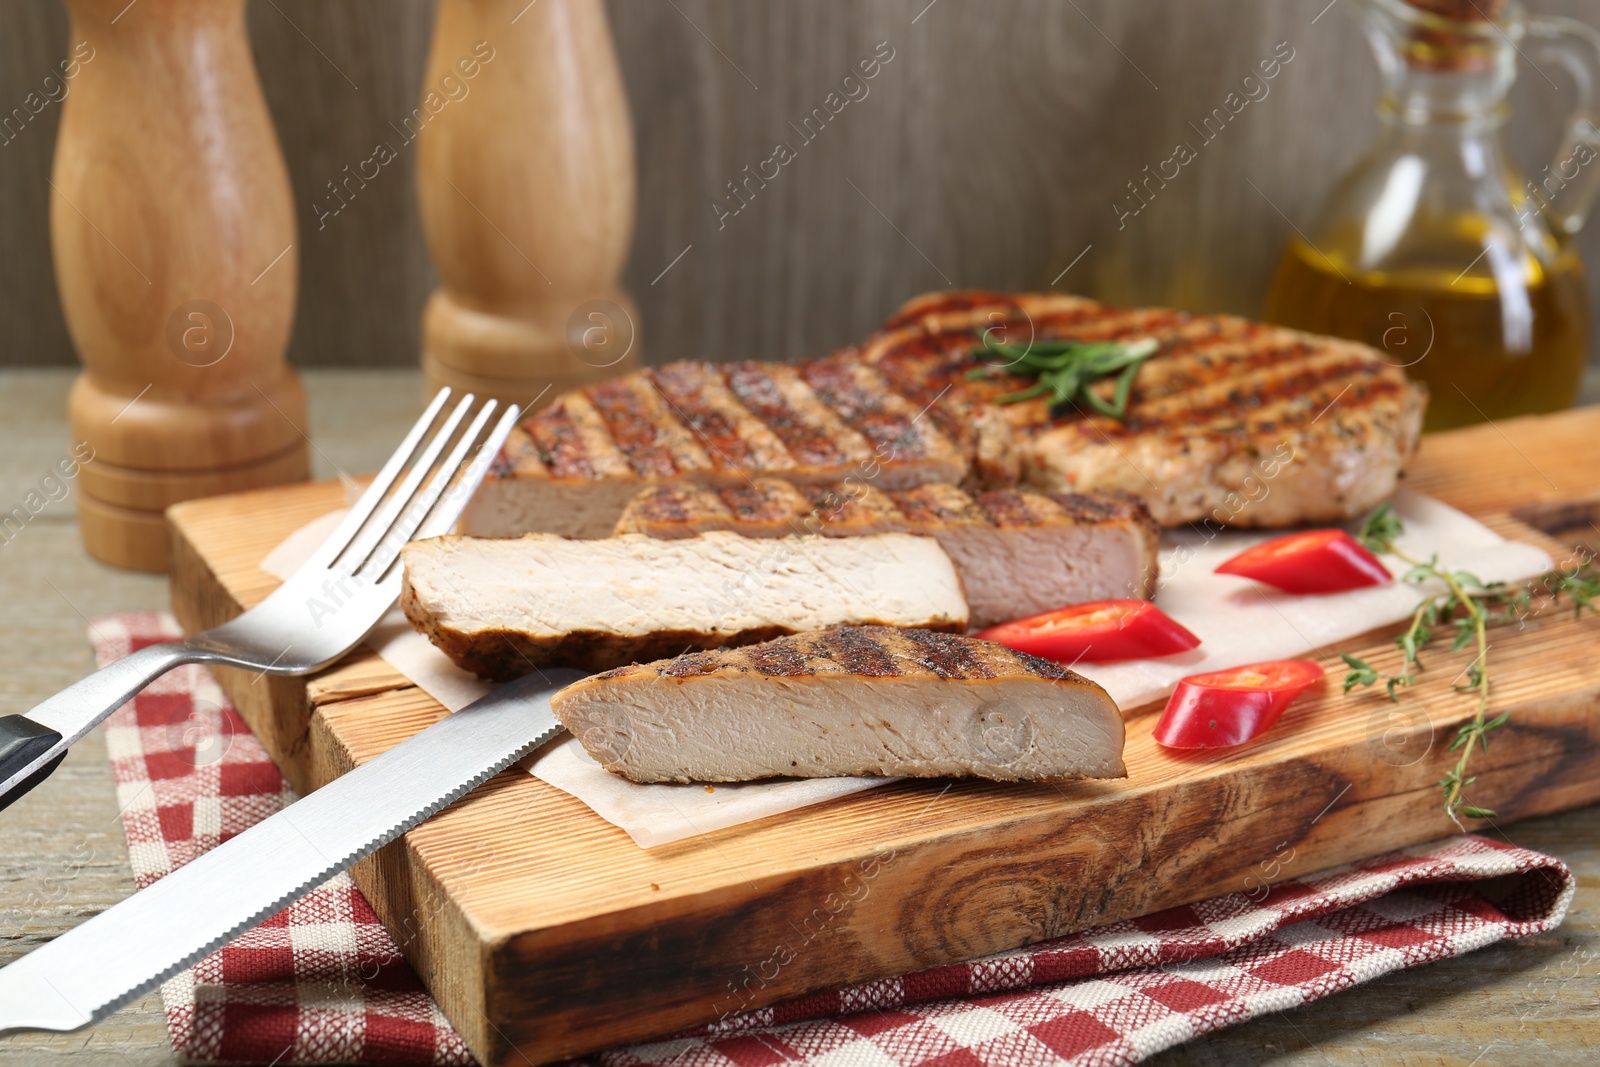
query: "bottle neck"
1438, 121
1469, 143
1441, 72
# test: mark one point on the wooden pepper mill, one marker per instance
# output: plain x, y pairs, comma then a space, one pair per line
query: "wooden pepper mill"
526, 185
173, 232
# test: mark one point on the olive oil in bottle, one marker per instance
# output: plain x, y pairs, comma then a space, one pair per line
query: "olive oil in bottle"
1487, 348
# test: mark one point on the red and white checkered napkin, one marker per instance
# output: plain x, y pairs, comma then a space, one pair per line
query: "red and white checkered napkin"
323, 982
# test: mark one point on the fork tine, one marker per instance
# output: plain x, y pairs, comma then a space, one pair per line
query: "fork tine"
388, 548
369, 500
361, 547
445, 515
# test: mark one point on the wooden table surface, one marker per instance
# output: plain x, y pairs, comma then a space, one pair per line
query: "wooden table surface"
63, 856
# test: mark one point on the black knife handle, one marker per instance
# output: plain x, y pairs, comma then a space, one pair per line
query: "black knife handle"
21, 742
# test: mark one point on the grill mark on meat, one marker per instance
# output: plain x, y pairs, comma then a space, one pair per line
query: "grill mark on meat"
592, 436
826, 508
763, 501
926, 505
871, 409
1007, 507
851, 504
521, 455
946, 655
758, 392
942, 303
723, 441
1103, 507
675, 503
1291, 390
732, 438
558, 444
1043, 668
915, 364
778, 659
1143, 322
858, 650
1183, 370
652, 441
809, 441
688, 665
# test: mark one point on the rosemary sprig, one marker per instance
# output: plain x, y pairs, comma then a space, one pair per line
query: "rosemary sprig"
1471, 607
1064, 370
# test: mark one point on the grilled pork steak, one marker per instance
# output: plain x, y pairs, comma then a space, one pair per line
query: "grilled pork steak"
502, 607
1018, 553
847, 701
1230, 420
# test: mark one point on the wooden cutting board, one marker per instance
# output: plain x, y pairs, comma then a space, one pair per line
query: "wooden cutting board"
545, 932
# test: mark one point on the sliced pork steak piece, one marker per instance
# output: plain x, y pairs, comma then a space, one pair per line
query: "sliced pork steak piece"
501, 607
1018, 553
847, 701
571, 468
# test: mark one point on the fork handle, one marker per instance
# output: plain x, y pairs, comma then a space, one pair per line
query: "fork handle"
33, 745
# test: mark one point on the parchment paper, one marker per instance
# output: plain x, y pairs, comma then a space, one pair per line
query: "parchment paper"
1237, 621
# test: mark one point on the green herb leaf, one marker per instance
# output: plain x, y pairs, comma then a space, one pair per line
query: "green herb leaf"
1381, 529
1064, 370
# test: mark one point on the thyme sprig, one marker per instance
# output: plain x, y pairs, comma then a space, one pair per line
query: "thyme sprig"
1471, 607
1065, 369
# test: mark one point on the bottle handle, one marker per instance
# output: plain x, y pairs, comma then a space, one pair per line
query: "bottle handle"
1567, 188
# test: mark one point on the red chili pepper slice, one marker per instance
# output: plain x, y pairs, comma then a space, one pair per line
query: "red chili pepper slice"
1313, 561
1100, 631
1230, 707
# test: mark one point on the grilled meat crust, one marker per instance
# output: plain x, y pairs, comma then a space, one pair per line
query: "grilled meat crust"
1018, 552
1233, 421
852, 651
847, 701
772, 507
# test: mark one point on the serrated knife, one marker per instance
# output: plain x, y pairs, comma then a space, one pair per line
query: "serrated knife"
98, 966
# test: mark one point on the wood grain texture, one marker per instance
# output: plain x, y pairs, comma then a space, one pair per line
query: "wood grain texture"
544, 932
994, 142
528, 232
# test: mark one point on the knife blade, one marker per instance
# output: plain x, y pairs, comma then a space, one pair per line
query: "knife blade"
98, 966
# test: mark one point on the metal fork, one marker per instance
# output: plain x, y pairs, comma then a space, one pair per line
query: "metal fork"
323, 610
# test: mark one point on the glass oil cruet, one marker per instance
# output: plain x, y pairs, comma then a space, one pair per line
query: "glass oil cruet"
1434, 249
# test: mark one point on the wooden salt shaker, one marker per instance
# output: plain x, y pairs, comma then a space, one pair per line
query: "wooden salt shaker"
526, 186
173, 232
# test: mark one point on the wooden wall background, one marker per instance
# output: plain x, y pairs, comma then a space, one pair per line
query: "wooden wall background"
987, 152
